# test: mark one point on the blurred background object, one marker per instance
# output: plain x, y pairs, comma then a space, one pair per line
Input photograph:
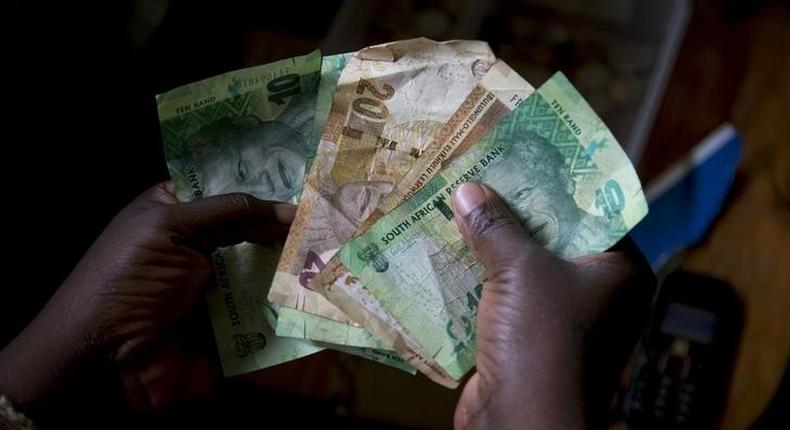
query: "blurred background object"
82, 138
687, 198
684, 363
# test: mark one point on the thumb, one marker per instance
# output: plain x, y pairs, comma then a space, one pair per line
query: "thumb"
493, 233
230, 218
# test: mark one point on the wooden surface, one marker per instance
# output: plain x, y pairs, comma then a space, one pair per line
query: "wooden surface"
738, 71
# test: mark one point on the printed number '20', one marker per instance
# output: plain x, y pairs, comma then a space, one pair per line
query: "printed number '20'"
372, 107
610, 198
312, 265
283, 87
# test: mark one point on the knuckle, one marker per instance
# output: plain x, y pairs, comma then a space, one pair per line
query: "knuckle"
618, 275
618, 265
511, 272
241, 200
154, 222
161, 216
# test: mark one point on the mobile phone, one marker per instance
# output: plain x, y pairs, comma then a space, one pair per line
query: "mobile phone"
683, 366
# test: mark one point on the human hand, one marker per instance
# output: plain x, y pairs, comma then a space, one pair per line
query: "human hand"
133, 296
552, 335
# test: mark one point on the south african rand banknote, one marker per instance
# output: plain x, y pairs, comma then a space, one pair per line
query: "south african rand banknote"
258, 137
390, 101
558, 168
253, 130
498, 92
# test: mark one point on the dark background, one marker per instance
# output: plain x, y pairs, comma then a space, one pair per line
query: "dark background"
80, 123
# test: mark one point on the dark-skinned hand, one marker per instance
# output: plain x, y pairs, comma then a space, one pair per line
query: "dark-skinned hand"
553, 335
133, 296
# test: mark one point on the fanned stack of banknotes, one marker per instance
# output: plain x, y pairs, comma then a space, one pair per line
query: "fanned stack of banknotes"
371, 145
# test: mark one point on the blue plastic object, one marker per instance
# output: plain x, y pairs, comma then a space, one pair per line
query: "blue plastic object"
686, 199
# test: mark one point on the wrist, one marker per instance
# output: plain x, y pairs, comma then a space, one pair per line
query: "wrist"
46, 351
76, 321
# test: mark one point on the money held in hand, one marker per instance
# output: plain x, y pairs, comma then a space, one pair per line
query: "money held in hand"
371, 145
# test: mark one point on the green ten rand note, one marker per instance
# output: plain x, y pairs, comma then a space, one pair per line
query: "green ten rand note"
253, 130
559, 169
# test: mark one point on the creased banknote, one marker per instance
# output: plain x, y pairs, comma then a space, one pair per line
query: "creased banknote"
302, 325
253, 130
390, 101
560, 170
498, 93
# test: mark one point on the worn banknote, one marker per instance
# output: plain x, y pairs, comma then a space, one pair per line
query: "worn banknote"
562, 173
498, 93
390, 101
255, 131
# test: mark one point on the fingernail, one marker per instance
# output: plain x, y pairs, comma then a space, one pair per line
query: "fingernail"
467, 197
285, 213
